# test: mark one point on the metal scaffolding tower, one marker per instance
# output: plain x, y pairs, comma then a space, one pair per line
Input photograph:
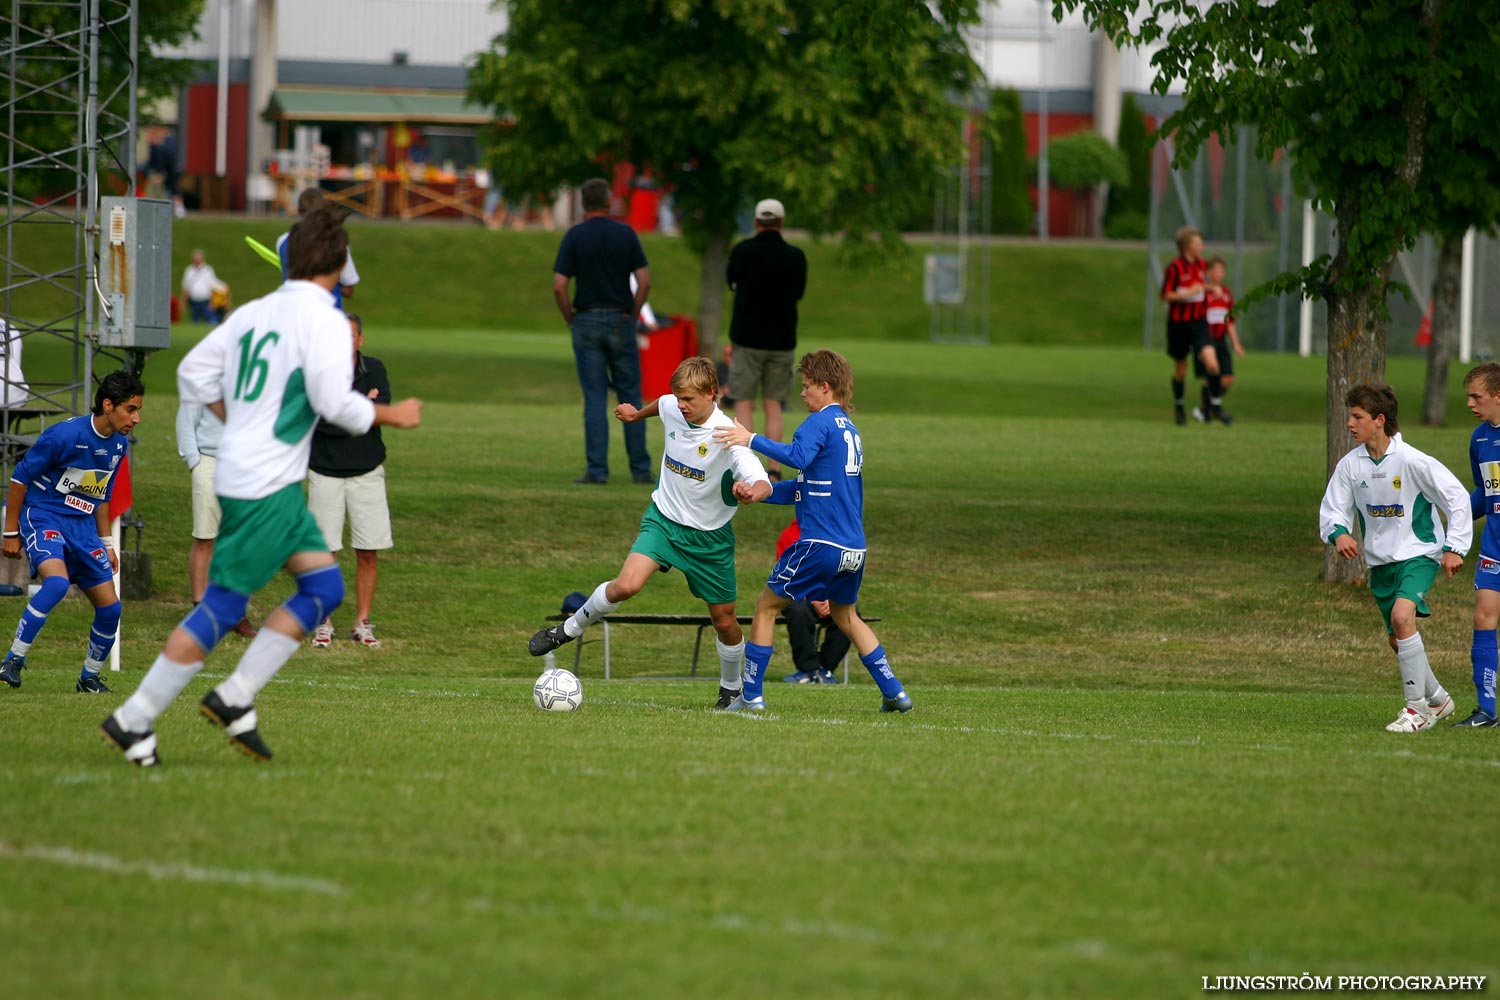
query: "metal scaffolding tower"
68, 131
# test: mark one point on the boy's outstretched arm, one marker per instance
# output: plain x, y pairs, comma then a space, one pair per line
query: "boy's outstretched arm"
629, 413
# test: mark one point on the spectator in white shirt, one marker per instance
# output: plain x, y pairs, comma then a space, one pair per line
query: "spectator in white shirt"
198, 283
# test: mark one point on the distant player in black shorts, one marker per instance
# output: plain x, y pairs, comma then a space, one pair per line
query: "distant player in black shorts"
1182, 289
1226, 340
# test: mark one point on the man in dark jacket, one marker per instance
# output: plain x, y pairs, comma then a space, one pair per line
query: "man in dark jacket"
347, 475
768, 276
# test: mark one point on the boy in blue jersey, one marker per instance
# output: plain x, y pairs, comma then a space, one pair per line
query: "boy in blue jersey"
1482, 385
58, 507
827, 563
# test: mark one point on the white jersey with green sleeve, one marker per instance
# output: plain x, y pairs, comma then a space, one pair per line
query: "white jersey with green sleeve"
278, 363
696, 485
1395, 500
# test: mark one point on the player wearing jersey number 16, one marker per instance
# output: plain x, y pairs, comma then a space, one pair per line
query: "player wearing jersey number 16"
269, 372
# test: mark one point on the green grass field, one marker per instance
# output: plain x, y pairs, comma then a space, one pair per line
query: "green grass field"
1147, 746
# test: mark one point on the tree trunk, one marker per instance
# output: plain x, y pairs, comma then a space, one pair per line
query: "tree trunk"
1356, 356
711, 293
1444, 344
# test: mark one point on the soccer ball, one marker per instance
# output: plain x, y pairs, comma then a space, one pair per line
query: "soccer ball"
557, 690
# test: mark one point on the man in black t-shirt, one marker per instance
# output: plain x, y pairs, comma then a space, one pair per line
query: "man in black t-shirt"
768, 276
599, 255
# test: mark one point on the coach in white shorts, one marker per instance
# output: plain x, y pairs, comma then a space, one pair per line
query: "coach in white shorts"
198, 434
346, 475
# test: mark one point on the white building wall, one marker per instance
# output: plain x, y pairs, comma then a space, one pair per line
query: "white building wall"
430, 32
1020, 46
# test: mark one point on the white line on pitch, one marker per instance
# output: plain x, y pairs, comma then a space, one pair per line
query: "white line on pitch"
254, 878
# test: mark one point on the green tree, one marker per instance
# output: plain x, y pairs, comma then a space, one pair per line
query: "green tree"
1010, 199
1128, 210
1350, 87
1080, 162
1462, 169
48, 41
844, 112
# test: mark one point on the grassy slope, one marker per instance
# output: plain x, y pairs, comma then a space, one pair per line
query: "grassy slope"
455, 277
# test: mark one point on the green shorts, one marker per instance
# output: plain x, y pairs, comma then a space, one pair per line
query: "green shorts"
257, 537
706, 558
1410, 578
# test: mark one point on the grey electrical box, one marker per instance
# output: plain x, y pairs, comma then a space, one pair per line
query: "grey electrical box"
135, 272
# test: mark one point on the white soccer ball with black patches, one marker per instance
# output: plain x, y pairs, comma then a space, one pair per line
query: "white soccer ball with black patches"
557, 690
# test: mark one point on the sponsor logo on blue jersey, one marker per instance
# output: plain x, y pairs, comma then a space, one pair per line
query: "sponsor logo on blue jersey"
1385, 509
685, 471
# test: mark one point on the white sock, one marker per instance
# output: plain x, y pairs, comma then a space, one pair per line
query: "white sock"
731, 665
162, 683
596, 607
1435, 693
1411, 655
268, 652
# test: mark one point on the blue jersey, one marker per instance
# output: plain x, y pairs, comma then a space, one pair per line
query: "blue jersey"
1484, 462
71, 467
830, 492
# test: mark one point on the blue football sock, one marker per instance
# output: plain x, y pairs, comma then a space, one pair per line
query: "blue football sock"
757, 662
34, 616
876, 663
1483, 655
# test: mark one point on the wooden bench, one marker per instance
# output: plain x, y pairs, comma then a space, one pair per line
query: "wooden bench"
701, 621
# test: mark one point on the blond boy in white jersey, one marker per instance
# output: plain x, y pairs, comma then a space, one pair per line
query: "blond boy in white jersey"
1393, 491
269, 373
687, 525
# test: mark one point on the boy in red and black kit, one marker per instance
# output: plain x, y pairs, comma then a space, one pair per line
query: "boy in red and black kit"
1221, 326
1187, 321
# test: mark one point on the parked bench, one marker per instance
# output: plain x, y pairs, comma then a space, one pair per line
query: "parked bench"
701, 621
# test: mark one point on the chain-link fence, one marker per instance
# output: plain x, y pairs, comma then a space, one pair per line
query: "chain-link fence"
1250, 215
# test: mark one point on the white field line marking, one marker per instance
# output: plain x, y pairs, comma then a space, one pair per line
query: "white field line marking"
253, 878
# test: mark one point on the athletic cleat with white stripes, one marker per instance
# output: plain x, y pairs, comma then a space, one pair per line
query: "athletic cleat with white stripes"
139, 748
90, 684
10, 669
1410, 721
238, 723
548, 639
900, 703
1478, 719
743, 704
726, 697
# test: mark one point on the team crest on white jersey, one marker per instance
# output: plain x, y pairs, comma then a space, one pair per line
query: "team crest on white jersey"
702, 450
1396, 482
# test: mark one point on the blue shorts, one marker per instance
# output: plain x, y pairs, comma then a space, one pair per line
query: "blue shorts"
817, 571
1487, 573
71, 538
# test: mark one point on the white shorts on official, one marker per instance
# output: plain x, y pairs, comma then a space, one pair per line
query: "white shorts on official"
205, 504
328, 497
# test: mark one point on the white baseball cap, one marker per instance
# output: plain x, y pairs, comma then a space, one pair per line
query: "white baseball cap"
769, 210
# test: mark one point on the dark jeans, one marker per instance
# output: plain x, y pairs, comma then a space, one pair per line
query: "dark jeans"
201, 311
605, 349
802, 629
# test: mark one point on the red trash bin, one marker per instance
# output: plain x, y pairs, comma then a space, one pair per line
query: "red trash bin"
662, 350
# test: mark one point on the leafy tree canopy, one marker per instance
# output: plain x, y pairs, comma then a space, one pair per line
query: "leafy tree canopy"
1084, 159
844, 112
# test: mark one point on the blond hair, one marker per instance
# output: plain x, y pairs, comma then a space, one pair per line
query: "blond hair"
698, 375
1488, 377
1185, 234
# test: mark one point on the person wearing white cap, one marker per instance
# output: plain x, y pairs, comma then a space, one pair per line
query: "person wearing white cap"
768, 276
